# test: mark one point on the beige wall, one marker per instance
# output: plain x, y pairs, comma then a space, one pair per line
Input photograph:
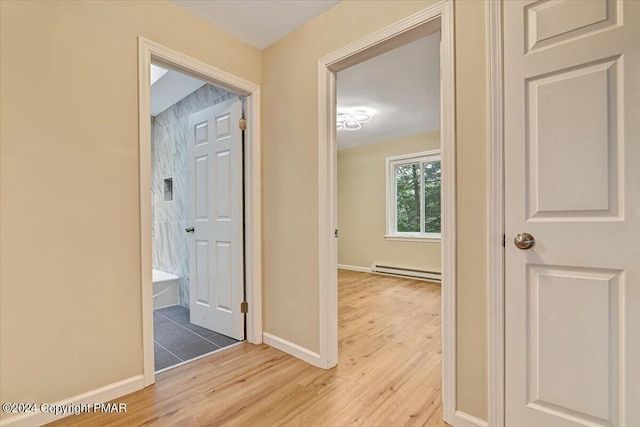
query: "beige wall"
290, 180
70, 313
471, 164
362, 207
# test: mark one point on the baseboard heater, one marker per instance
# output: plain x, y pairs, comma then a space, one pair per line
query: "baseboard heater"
406, 272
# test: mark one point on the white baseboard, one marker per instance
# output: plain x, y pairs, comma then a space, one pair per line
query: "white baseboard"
293, 349
463, 419
99, 395
354, 268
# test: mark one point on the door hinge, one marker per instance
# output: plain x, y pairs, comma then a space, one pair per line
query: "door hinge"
243, 124
244, 307
336, 233
504, 241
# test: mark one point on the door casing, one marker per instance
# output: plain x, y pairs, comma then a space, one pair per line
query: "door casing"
148, 52
495, 249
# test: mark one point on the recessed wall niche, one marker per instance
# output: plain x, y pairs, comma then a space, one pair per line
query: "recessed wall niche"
168, 189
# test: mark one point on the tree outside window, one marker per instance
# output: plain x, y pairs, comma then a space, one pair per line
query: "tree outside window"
414, 195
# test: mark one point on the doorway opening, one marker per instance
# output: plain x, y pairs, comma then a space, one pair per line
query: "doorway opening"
436, 18
199, 208
389, 214
389, 162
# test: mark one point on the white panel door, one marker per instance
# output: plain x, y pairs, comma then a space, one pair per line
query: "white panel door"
572, 180
217, 282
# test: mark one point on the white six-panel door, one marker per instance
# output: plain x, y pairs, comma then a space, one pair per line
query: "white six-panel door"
572, 180
216, 281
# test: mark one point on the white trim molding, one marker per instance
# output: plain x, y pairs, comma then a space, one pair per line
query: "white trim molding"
414, 239
462, 419
148, 52
354, 268
495, 279
97, 396
253, 218
293, 349
436, 17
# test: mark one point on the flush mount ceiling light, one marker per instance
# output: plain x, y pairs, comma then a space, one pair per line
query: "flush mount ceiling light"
352, 121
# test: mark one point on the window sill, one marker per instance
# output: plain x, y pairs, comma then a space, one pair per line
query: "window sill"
398, 238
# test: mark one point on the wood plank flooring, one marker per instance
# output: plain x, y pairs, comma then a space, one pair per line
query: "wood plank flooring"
389, 372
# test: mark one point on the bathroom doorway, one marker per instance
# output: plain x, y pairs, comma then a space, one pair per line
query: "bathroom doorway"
249, 245
197, 212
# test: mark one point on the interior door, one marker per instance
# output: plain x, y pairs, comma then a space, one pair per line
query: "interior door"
216, 281
572, 181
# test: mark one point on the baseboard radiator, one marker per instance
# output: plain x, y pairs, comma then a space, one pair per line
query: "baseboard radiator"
406, 272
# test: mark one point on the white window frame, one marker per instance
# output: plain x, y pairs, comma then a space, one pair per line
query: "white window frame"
392, 208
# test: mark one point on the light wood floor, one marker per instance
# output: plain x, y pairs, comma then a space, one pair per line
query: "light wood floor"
389, 372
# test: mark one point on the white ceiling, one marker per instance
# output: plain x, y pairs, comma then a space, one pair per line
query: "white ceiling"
156, 73
169, 88
256, 22
401, 86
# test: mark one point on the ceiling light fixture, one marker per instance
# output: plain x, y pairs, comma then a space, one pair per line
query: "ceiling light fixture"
352, 121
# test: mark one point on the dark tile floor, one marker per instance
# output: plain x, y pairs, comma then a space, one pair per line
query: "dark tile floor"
177, 340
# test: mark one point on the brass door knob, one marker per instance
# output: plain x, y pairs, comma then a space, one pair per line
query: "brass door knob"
524, 241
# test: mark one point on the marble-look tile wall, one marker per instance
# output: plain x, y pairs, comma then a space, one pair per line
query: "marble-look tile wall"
170, 159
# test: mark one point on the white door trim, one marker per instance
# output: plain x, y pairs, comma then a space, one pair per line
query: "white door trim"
151, 51
365, 48
495, 248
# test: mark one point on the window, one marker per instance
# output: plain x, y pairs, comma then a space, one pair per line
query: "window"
413, 196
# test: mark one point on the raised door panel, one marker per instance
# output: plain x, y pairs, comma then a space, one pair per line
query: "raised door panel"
222, 187
223, 126
223, 276
201, 188
201, 133
572, 143
549, 22
202, 281
574, 344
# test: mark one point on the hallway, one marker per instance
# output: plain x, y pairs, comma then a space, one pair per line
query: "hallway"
389, 371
